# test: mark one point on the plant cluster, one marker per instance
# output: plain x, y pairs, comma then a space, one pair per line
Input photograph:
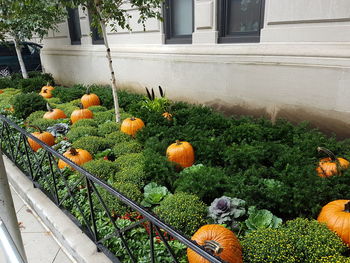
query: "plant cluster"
25, 104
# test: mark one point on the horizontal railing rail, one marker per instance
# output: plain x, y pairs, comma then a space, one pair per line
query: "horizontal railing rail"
14, 143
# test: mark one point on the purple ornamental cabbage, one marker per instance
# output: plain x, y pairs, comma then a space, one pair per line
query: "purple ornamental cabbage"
226, 209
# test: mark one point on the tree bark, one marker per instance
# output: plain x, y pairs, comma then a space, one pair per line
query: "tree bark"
20, 58
110, 62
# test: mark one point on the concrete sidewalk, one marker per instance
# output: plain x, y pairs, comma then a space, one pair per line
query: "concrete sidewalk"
39, 243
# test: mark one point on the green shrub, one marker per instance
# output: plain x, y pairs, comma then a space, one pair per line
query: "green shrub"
185, 212
47, 77
300, 240
108, 127
53, 101
102, 117
45, 123
207, 183
66, 94
96, 109
35, 115
92, 144
67, 108
85, 122
105, 95
6, 83
101, 168
25, 104
129, 160
133, 174
126, 147
127, 100
118, 136
81, 131
31, 84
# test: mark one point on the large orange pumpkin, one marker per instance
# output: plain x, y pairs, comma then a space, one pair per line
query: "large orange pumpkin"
54, 114
331, 165
89, 99
46, 137
78, 156
131, 125
81, 114
219, 240
46, 94
47, 87
181, 152
336, 215
1, 91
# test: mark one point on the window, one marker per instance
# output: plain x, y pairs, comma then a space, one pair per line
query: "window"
96, 35
7, 49
240, 20
178, 18
74, 26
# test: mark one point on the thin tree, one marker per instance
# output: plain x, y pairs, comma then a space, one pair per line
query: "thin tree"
115, 13
22, 20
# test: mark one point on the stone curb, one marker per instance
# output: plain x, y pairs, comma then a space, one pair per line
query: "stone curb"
72, 239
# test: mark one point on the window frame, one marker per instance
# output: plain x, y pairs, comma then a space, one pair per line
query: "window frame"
242, 37
71, 27
170, 38
95, 36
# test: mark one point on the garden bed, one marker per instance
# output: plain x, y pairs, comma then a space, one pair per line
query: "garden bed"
249, 174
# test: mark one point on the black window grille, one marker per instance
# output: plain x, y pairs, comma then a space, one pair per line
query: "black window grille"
74, 26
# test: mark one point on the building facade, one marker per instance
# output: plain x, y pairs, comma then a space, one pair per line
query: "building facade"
276, 58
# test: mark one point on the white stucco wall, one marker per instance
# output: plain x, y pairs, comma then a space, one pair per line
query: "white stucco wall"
300, 70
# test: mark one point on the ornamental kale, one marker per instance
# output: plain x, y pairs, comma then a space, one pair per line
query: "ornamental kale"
58, 129
261, 219
225, 209
153, 194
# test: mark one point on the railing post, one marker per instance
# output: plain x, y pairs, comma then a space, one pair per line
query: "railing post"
7, 210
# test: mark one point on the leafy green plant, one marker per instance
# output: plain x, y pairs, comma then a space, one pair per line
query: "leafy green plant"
263, 218
32, 84
126, 147
128, 160
96, 109
132, 174
81, 131
102, 117
105, 95
7, 83
108, 127
101, 168
47, 77
207, 183
153, 194
300, 240
92, 144
66, 94
67, 108
85, 122
185, 212
25, 104
45, 123
225, 210
118, 137
34, 116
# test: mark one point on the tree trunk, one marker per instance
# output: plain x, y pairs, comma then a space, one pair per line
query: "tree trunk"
110, 63
20, 58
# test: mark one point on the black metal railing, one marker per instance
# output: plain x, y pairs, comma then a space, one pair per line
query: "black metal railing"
87, 200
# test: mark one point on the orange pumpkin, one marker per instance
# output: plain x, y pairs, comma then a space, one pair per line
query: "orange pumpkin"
54, 114
131, 125
167, 116
1, 91
78, 156
218, 239
336, 215
81, 114
181, 152
46, 137
46, 94
331, 165
89, 99
47, 87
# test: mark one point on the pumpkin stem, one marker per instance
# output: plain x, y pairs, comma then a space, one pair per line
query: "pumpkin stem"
81, 106
132, 118
48, 83
73, 151
347, 207
328, 152
48, 107
36, 127
178, 142
88, 90
213, 246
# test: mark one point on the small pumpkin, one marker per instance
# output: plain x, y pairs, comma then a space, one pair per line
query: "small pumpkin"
81, 114
47, 87
1, 91
331, 165
89, 99
219, 240
167, 116
46, 137
336, 215
131, 125
54, 114
181, 152
78, 156
46, 94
